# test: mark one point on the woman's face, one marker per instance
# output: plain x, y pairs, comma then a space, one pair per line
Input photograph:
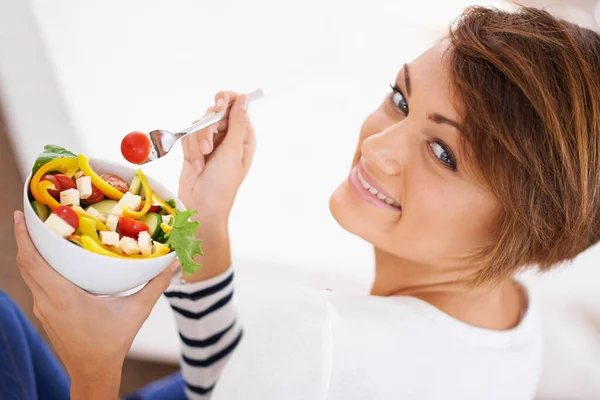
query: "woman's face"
408, 193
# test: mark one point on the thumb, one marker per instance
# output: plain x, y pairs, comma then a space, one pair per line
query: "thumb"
238, 118
149, 294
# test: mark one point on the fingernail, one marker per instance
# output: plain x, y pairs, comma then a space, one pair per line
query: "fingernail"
205, 146
18, 216
199, 164
219, 102
244, 102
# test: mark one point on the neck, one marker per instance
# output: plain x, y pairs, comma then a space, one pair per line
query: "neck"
396, 276
492, 307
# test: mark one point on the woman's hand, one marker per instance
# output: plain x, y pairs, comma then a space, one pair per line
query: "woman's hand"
214, 168
91, 335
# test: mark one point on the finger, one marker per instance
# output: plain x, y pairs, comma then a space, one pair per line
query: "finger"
149, 294
238, 118
223, 98
249, 147
192, 152
207, 136
31, 262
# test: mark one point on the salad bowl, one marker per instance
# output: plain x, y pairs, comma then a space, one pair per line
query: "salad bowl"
96, 273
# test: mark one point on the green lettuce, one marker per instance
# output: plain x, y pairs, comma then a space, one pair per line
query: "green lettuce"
51, 152
184, 242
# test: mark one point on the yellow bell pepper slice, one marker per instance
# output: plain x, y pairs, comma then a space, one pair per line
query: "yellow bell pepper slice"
165, 227
83, 215
88, 228
101, 184
148, 195
168, 209
96, 247
39, 189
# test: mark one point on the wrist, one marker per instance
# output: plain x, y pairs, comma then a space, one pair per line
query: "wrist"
217, 251
96, 383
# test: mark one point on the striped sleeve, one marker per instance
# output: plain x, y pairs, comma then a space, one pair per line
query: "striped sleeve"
208, 328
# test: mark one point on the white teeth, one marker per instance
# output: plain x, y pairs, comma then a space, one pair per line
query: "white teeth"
374, 191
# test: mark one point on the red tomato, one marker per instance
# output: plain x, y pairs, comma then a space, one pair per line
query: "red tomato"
68, 215
135, 147
53, 192
65, 182
116, 181
95, 197
132, 228
154, 208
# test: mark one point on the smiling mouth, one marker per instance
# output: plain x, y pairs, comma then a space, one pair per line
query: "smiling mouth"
380, 196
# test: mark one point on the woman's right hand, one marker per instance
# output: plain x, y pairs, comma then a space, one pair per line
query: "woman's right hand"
215, 166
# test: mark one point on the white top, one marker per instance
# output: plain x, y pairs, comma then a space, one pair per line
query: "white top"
321, 345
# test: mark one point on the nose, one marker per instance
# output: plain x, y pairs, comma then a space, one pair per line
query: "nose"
388, 150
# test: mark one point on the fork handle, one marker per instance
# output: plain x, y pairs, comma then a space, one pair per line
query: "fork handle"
215, 117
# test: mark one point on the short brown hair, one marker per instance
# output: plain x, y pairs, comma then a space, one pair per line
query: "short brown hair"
529, 85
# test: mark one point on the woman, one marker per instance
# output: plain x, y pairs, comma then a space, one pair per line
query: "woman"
482, 161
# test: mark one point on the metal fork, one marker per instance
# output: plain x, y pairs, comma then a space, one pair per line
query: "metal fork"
163, 141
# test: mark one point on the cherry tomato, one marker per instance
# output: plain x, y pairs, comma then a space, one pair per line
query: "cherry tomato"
132, 228
154, 208
53, 192
68, 215
135, 147
95, 197
116, 181
65, 182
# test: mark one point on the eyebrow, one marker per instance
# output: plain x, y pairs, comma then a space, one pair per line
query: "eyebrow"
407, 79
440, 119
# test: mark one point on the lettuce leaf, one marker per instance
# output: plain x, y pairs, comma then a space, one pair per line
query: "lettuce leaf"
51, 152
184, 242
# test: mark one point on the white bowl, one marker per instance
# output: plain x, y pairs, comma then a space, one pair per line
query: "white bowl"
90, 271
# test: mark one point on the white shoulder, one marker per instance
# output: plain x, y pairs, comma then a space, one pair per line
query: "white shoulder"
286, 352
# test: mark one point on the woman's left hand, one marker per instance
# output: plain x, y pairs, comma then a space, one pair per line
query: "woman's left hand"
91, 334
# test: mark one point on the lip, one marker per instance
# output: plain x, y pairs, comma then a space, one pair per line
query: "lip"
366, 195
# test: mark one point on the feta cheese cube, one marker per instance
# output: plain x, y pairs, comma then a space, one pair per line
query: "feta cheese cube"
109, 238
78, 175
112, 221
117, 210
166, 219
59, 226
131, 201
129, 245
69, 197
96, 215
145, 243
84, 185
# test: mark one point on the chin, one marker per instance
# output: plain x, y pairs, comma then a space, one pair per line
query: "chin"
349, 213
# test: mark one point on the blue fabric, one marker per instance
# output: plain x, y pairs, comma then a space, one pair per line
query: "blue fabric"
29, 370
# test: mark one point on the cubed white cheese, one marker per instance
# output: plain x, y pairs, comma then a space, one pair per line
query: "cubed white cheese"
78, 175
112, 221
58, 225
145, 243
131, 201
109, 238
166, 219
84, 185
129, 245
117, 210
69, 197
96, 215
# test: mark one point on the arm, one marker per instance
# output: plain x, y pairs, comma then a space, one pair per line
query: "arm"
208, 328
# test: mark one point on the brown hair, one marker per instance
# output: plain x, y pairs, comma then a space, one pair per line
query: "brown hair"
530, 87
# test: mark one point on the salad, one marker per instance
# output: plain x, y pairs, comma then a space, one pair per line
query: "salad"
105, 214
